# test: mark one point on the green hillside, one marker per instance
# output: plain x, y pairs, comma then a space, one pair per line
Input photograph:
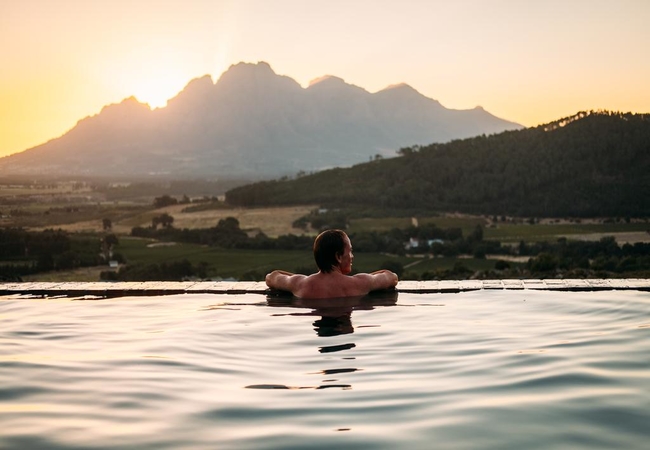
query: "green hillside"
590, 164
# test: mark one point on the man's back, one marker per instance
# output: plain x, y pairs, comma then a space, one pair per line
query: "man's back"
331, 285
333, 255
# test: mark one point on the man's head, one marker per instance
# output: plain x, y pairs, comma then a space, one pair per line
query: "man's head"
332, 249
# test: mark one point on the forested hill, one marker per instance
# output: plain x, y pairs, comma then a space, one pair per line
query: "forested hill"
590, 164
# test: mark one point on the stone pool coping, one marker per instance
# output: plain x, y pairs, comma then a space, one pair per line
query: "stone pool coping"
115, 289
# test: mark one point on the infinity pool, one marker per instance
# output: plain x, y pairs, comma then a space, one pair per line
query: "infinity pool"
481, 369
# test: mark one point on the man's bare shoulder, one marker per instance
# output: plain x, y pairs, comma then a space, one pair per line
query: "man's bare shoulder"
335, 285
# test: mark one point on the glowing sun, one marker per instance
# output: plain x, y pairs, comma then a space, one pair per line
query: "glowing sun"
157, 89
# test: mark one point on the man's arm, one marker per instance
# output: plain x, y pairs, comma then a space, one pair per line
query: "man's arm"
283, 280
381, 279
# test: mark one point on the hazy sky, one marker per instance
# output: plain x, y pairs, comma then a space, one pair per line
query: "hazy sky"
530, 61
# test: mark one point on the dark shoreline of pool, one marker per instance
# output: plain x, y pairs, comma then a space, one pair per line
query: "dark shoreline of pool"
113, 289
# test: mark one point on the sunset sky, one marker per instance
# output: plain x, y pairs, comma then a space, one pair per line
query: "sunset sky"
529, 61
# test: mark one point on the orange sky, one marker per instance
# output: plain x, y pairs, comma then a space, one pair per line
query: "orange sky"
526, 61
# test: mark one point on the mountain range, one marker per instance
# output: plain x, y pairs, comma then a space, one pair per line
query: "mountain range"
252, 124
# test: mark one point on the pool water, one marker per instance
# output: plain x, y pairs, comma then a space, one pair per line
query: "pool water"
482, 369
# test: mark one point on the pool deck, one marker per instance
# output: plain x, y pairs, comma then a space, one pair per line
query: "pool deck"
119, 289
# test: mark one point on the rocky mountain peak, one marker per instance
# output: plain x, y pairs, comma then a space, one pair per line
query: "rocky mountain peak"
252, 123
259, 76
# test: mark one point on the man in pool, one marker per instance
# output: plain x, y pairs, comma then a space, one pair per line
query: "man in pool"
333, 254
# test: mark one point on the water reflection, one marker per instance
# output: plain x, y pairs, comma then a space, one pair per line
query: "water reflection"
335, 313
334, 325
333, 317
283, 386
335, 348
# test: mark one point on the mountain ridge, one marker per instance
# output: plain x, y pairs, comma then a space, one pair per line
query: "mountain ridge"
251, 123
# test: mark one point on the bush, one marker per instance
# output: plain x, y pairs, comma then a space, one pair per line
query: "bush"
165, 200
545, 262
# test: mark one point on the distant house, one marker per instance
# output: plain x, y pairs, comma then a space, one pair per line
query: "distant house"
415, 243
412, 243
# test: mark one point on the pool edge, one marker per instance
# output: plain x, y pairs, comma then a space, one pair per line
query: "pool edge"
113, 289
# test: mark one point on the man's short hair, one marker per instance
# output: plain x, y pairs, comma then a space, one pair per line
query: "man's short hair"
327, 246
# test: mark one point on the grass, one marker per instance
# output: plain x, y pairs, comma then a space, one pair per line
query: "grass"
57, 215
76, 275
378, 224
506, 232
235, 262
467, 224
21, 190
432, 264
225, 262
531, 233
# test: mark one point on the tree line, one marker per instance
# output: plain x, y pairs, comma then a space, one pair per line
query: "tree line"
25, 252
226, 234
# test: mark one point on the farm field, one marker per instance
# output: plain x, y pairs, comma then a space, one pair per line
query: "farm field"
236, 263
624, 232
272, 221
467, 224
514, 232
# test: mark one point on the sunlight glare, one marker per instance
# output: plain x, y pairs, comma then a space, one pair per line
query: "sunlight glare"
156, 90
